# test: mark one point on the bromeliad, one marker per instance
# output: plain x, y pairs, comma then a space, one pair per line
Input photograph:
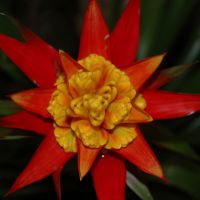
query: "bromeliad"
92, 107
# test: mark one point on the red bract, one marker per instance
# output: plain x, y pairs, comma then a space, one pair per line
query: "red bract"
42, 64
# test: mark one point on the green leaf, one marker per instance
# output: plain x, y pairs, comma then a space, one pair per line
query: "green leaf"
8, 26
167, 75
179, 147
163, 137
184, 178
13, 137
175, 71
7, 107
191, 51
191, 131
138, 187
156, 132
111, 11
10, 134
10, 69
162, 22
150, 17
172, 20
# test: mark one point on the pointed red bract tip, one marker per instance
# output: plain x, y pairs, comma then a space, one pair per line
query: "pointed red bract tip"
165, 179
34, 100
167, 75
34, 40
95, 34
140, 154
47, 159
32, 60
69, 65
86, 158
137, 116
141, 71
125, 37
56, 181
27, 121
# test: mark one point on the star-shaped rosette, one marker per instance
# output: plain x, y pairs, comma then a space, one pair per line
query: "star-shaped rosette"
92, 107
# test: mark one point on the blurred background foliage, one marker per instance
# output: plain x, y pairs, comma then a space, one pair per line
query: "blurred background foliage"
166, 26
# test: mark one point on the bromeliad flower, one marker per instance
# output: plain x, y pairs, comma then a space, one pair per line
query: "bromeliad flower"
92, 107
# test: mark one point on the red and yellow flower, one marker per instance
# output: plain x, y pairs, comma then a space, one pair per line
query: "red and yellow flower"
92, 107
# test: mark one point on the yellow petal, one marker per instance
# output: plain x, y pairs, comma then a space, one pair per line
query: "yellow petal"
140, 102
66, 139
94, 62
83, 82
121, 82
125, 88
121, 137
59, 105
116, 112
77, 105
92, 137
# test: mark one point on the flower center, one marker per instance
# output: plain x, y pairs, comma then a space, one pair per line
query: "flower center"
95, 88
92, 104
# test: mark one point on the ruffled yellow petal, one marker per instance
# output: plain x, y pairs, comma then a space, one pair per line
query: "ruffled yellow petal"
140, 102
59, 103
116, 112
120, 137
77, 105
66, 139
121, 81
110, 75
95, 62
91, 136
84, 82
